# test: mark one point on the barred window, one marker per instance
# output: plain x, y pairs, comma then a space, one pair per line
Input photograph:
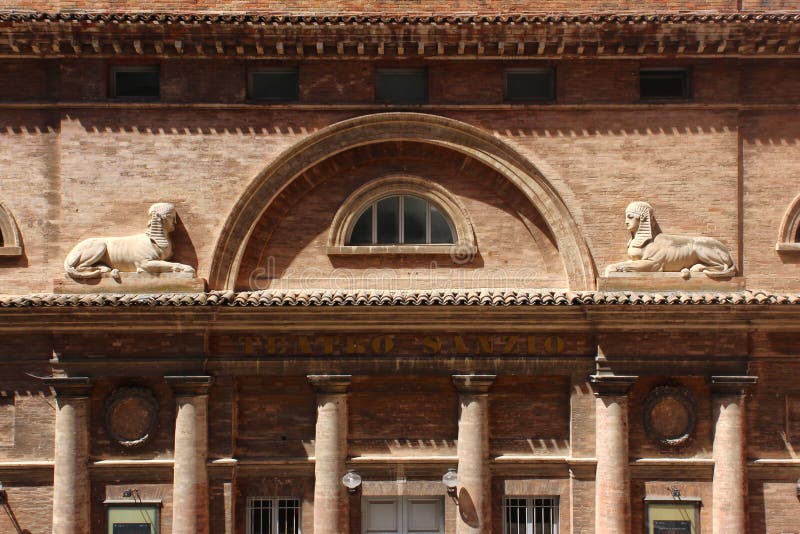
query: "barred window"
401, 219
530, 515
267, 515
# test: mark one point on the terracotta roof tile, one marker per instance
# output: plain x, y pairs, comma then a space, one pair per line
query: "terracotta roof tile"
403, 298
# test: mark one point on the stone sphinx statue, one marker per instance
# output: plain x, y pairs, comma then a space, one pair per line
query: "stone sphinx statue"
140, 253
650, 250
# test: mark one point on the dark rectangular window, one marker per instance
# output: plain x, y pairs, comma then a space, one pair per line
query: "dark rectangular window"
664, 84
135, 82
401, 86
274, 84
530, 85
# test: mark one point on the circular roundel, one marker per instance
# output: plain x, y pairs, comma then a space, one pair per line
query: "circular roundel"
669, 415
131, 415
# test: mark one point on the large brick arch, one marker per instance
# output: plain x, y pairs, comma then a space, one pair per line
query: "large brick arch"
415, 127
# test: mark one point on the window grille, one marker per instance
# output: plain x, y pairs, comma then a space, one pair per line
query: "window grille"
530, 515
401, 219
273, 515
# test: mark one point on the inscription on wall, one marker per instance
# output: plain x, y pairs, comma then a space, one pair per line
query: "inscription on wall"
401, 344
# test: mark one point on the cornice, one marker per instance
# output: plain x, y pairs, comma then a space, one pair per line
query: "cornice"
510, 36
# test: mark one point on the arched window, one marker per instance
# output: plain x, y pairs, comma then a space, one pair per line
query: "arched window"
401, 214
10, 243
789, 232
401, 220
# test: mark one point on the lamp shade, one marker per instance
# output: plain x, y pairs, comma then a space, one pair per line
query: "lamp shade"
351, 479
450, 479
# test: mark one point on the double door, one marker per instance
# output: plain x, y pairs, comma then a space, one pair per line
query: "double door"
402, 515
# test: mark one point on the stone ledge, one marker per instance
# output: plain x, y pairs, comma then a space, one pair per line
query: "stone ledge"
131, 283
668, 282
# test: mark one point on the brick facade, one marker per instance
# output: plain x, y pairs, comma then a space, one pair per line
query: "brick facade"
536, 399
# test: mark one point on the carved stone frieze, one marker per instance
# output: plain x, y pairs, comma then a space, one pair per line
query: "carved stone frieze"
650, 250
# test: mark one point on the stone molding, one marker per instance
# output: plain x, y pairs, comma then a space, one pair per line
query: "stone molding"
473, 384
464, 139
330, 384
789, 231
189, 385
11, 241
611, 385
69, 386
732, 385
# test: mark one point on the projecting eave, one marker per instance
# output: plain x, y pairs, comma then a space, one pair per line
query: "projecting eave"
502, 36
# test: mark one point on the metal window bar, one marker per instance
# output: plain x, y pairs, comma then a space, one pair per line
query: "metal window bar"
531, 515
273, 516
401, 220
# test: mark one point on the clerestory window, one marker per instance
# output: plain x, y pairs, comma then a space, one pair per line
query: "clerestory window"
401, 220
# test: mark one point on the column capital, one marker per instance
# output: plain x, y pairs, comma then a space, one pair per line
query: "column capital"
69, 386
473, 384
732, 385
330, 383
611, 385
189, 385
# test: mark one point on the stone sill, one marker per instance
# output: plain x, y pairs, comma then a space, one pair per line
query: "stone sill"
10, 251
401, 249
138, 283
787, 247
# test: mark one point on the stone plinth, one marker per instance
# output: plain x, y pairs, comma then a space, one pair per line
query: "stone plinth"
667, 282
132, 283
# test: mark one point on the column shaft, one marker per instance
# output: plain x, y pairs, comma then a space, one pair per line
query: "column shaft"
71, 490
190, 482
331, 510
729, 485
474, 478
612, 479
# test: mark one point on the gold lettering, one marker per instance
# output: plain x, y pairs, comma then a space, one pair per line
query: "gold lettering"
432, 344
510, 345
304, 345
276, 345
250, 343
460, 346
484, 344
354, 345
382, 344
531, 344
553, 345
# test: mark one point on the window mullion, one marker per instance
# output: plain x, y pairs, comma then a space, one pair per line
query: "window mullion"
401, 234
427, 222
374, 222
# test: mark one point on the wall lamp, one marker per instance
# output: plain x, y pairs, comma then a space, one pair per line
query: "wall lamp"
351, 481
450, 480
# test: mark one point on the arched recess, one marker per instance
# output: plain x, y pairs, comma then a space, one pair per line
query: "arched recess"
789, 233
416, 127
10, 242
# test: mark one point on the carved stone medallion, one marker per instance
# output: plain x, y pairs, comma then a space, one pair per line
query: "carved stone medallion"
670, 415
131, 415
